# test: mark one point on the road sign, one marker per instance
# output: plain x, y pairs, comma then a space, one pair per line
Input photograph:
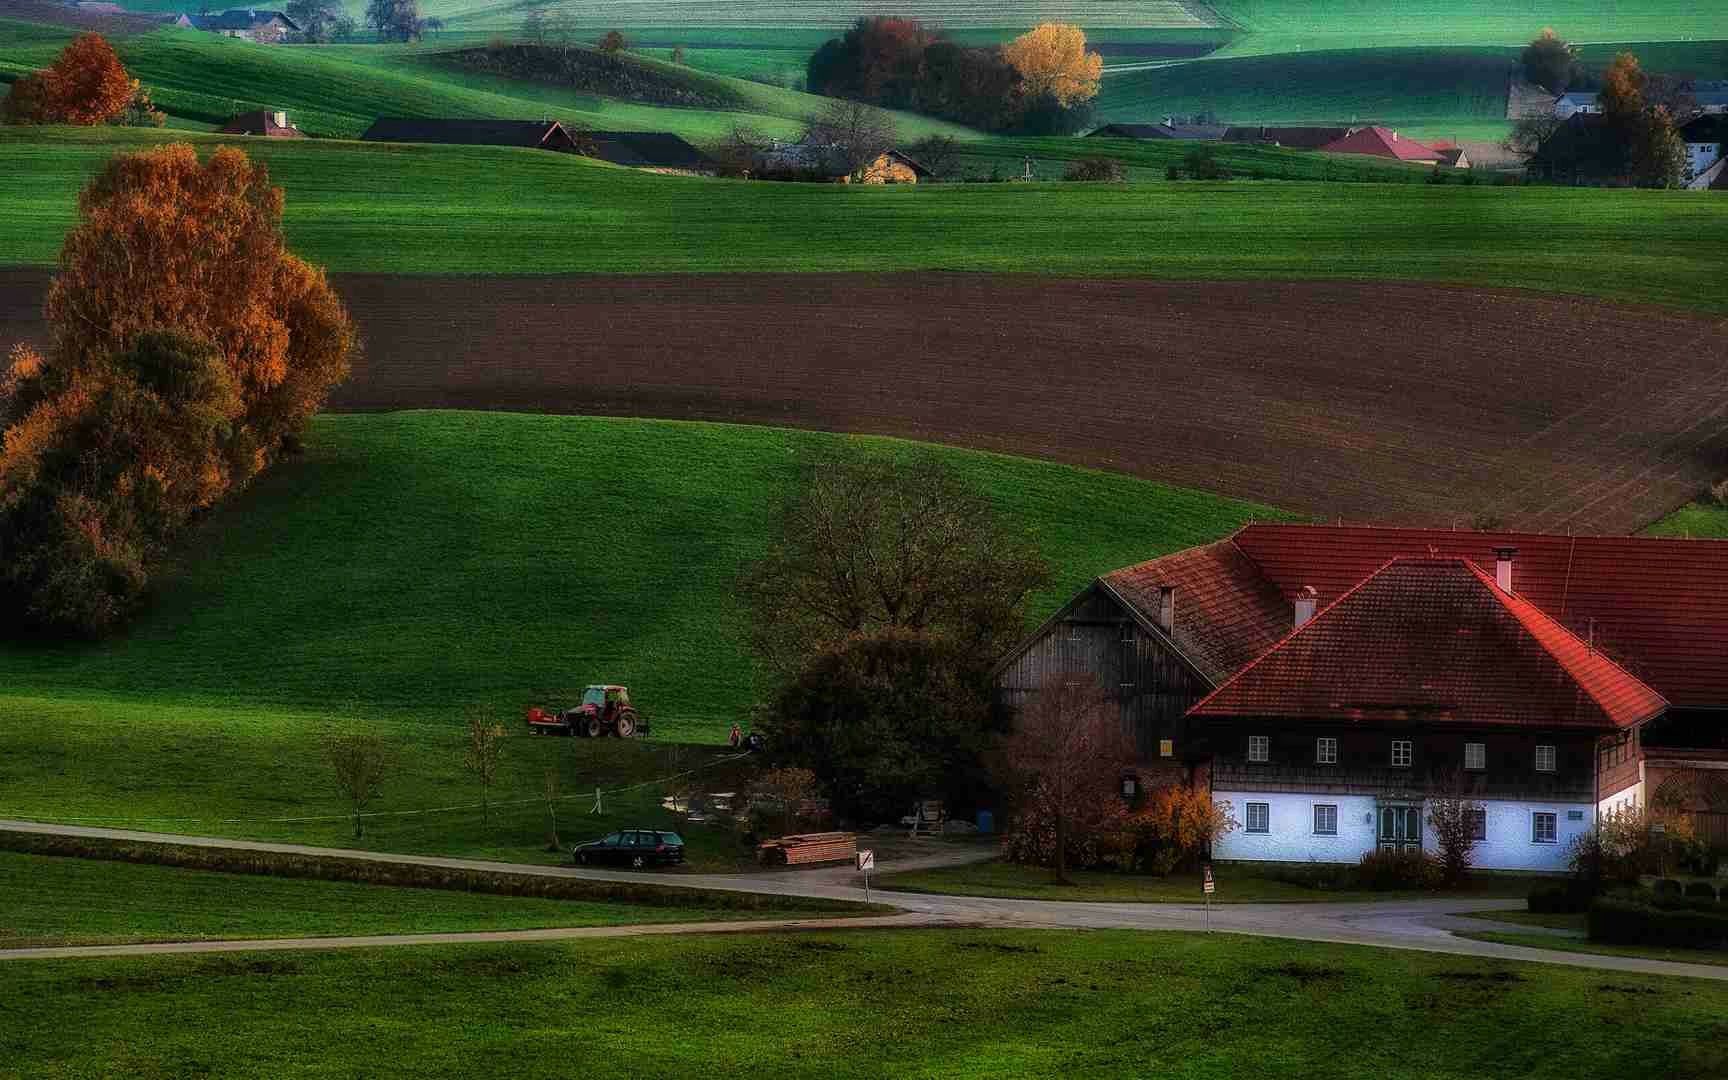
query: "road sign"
866, 860
1206, 883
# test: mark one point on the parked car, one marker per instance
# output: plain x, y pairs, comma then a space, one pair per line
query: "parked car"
636, 848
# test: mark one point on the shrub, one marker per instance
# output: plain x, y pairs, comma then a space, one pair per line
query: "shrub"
1666, 889
1626, 922
1381, 871
1097, 169
1701, 890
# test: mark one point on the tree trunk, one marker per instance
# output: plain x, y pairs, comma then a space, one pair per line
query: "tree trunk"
1062, 850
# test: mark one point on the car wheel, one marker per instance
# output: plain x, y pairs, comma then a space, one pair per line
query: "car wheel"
637, 862
581, 858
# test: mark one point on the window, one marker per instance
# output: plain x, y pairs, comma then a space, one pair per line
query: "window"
1475, 755
1544, 759
1544, 829
1259, 747
1166, 747
1325, 820
1574, 815
1479, 823
1130, 786
1127, 633
1259, 817
1326, 751
1400, 753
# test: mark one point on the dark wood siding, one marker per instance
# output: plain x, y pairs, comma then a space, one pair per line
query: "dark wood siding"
1096, 636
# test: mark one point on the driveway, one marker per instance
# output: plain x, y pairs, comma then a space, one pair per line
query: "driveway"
1422, 925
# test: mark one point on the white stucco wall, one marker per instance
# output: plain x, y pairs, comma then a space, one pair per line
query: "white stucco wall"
1291, 839
1632, 796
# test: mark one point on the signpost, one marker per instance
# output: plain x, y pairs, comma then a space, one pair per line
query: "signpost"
866, 863
1207, 887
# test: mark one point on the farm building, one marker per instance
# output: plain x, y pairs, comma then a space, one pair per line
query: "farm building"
262, 122
1566, 106
1168, 128
1453, 157
651, 151
1383, 142
1328, 680
1583, 152
1710, 97
829, 164
266, 27
543, 134
1298, 137
1706, 140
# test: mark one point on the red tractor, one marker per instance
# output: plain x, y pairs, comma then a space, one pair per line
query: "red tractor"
605, 710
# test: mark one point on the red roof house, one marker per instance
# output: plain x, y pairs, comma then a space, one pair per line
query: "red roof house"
1382, 142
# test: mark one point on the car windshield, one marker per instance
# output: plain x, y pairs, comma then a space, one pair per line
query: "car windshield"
594, 695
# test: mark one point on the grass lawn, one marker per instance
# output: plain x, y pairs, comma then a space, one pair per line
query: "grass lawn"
1235, 885
354, 206
1701, 520
48, 900
920, 1003
1578, 945
1551, 920
1148, 160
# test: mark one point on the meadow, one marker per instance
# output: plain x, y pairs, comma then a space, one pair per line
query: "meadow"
418, 209
862, 1004
51, 900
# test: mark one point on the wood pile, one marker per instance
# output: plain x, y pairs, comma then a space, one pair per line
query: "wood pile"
806, 849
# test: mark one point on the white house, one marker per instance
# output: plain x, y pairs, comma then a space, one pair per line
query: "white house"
1705, 139
1568, 105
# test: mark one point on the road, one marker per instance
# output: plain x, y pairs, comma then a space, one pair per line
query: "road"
1422, 925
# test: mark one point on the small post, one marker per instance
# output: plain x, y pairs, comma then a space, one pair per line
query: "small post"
1206, 887
866, 863
599, 805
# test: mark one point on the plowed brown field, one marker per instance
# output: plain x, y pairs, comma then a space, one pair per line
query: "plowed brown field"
1408, 403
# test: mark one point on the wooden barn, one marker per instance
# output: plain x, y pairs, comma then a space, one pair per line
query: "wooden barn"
266, 123
538, 134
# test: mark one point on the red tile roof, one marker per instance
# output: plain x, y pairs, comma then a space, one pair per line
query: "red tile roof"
1435, 639
1227, 612
1657, 606
1380, 142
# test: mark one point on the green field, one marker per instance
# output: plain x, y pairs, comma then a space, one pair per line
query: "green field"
434, 571
1235, 885
443, 209
1147, 160
1563, 944
866, 1004
48, 900
1705, 520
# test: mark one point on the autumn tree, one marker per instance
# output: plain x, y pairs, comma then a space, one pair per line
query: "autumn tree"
1652, 152
358, 763
86, 85
1179, 823
320, 21
1052, 59
1549, 62
1622, 93
1061, 767
867, 543
119, 435
612, 43
141, 110
482, 756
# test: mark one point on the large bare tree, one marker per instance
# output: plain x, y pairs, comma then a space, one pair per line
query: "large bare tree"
873, 542
852, 134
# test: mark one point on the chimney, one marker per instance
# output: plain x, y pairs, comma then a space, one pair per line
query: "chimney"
1306, 601
279, 119
1167, 608
1503, 567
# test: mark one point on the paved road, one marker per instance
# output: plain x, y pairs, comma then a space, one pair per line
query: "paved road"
1423, 925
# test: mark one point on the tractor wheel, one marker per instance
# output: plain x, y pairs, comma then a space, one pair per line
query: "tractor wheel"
637, 862
594, 729
626, 725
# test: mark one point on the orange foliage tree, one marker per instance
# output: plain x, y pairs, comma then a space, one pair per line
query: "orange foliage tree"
188, 348
1052, 59
85, 85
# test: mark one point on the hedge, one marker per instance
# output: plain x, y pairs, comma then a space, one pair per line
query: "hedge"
410, 875
1626, 922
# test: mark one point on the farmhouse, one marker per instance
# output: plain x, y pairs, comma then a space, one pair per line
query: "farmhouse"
1327, 681
829, 164
1299, 137
1583, 151
1383, 142
1710, 97
262, 122
1169, 128
650, 151
1706, 138
1566, 106
541, 134
267, 27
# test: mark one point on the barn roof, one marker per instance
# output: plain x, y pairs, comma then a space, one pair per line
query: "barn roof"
1436, 638
259, 122
647, 149
1381, 142
1709, 128
530, 133
242, 19
1192, 132
1227, 612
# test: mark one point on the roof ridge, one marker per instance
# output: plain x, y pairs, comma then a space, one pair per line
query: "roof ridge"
1508, 601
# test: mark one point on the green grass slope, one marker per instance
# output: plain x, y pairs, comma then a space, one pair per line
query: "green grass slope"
356, 206
340, 90
423, 562
956, 1004
1147, 160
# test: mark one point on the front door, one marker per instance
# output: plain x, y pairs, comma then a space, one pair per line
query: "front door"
1401, 828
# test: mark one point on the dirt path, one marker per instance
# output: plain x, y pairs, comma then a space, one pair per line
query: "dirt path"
1419, 925
1386, 402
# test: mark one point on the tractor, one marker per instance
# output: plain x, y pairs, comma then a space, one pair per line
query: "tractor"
605, 710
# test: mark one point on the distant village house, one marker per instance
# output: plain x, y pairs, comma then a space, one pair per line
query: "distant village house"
830, 164
265, 27
264, 123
